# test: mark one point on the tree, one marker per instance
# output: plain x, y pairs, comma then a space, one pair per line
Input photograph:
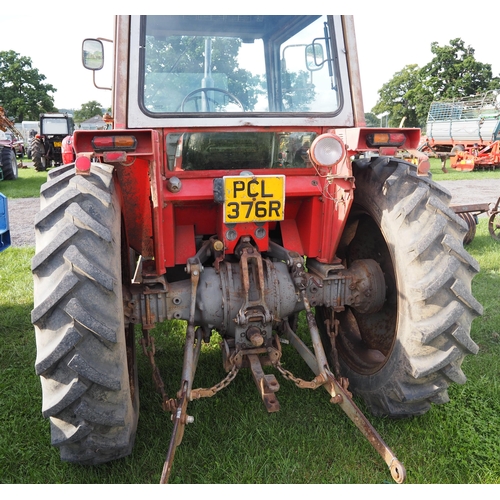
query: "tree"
371, 120
397, 97
22, 91
453, 72
297, 93
89, 110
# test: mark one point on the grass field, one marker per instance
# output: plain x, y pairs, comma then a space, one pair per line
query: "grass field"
27, 185
234, 440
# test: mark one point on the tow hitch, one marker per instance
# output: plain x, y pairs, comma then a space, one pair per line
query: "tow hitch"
257, 351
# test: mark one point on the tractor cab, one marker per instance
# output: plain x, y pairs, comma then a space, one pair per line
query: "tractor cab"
238, 65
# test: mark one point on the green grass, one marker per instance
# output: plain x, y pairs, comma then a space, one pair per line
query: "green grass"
457, 175
233, 439
27, 185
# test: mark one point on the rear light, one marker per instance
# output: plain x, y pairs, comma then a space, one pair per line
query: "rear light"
114, 143
82, 165
385, 139
327, 150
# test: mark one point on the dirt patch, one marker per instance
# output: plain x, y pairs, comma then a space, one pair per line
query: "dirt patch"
473, 192
22, 211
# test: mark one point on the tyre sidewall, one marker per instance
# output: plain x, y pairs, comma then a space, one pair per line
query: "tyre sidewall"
9, 164
431, 288
376, 207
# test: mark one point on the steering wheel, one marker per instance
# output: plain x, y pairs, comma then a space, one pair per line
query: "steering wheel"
210, 89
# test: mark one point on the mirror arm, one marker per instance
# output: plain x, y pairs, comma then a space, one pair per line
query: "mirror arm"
313, 45
328, 54
95, 84
328, 51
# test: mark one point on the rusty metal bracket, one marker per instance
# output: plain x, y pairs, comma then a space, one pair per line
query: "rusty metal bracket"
180, 420
252, 308
344, 400
192, 349
339, 395
267, 384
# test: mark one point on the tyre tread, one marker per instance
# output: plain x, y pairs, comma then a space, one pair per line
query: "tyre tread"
81, 346
428, 244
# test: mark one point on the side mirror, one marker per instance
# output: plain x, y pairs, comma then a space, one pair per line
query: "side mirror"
314, 57
92, 54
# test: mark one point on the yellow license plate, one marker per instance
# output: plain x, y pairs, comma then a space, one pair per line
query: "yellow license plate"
57, 144
254, 198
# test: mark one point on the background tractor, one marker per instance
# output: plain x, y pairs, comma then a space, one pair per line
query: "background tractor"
238, 189
45, 147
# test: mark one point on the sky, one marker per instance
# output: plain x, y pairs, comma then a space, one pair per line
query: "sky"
390, 35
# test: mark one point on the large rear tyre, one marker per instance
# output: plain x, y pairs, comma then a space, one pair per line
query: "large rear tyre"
85, 348
9, 164
403, 357
38, 156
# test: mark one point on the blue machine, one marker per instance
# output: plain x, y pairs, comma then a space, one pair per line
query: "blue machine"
4, 224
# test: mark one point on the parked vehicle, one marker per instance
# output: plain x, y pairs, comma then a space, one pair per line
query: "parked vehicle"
237, 189
466, 130
45, 147
67, 151
17, 145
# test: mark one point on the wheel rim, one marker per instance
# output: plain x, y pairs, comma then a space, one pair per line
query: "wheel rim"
365, 341
14, 166
494, 227
471, 226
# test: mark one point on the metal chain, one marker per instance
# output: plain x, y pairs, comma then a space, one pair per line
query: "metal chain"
169, 404
332, 328
207, 393
288, 375
149, 349
302, 384
148, 346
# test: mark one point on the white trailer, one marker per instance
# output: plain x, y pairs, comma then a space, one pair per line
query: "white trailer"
467, 130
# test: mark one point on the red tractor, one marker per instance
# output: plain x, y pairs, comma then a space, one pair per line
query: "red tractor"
238, 189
